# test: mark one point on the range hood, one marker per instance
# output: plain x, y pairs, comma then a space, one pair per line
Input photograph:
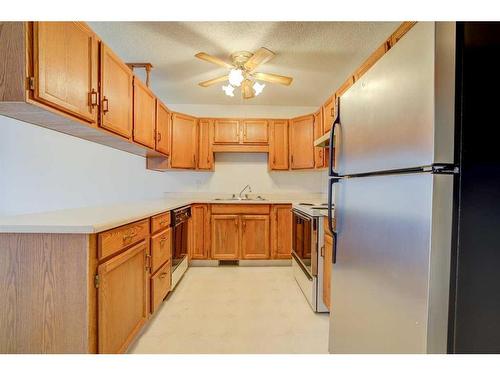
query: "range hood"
323, 141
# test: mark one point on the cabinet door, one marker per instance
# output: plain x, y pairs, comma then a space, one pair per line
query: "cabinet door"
226, 131
122, 299
200, 235
161, 249
301, 143
255, 132
65, 68
278, 145
163, 128
255, 239
281, 237
327, 270
205, 154
225, 236
116, 94
328, 113
184, 141
319, 152
144, 114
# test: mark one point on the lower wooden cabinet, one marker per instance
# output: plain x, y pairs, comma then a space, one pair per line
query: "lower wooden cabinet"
122, 298
281, 231
255, 237
327, 269
200, 232
160, 285
161, 249
225, 237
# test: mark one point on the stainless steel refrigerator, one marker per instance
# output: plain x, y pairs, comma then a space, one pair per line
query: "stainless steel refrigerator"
392, 186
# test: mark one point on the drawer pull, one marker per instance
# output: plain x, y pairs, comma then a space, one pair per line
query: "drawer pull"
162, 240
163, 222
128, 236
163, 275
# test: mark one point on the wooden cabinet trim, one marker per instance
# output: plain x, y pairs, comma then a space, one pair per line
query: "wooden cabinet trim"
114, 240
240, 208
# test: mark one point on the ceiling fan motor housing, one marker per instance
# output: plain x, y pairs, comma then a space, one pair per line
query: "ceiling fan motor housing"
240, 58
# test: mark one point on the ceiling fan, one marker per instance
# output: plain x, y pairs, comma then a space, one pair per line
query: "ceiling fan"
242, 72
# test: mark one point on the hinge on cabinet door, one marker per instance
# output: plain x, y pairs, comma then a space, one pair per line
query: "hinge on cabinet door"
31, 83
96, 281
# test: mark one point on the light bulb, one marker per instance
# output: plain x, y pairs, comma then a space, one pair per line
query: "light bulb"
236, 77
229, 90
258, 87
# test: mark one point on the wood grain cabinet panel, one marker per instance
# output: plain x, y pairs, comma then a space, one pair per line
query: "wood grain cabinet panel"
160, 221
65, 68
278, 145
122, 298
160, 285
205, 154
163, 128
255, 131
255, 239
319, 152
114, 240
328, 113
301, 142
144, 114
200, 248
327, 270
116, 94
225, 237
281, 231
184, 141
226, 131
161, 249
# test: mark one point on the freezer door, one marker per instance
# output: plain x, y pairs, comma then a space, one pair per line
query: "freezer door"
399, 114
391, 279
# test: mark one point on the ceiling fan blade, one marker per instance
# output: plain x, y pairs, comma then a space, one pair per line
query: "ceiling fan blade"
261, 56
213, 60
273, 78
213, 81
247, 90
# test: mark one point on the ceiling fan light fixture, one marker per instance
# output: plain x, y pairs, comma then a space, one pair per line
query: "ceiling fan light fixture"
228, 90
258, 87
236, 77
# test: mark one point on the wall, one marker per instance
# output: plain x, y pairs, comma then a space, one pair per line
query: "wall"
44, 170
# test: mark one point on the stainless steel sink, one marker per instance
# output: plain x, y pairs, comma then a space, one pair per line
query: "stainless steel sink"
235, 198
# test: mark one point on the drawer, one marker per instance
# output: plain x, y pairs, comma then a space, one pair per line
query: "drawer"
160, 221
161, 248
114, 240
160, 285
257, 209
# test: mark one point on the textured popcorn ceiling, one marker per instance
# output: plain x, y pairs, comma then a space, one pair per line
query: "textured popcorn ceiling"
319, 55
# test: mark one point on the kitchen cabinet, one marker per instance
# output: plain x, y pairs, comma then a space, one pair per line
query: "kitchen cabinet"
319, 152
225, 237
160, 285
301, 142
278, 145
255, 240
328, 114
327, 269
226, 131
122, 298
65, 64
205, 154
163, 128
161, 249
144, 114
255, 131
281, 231
116, 94
200, 232
184, 141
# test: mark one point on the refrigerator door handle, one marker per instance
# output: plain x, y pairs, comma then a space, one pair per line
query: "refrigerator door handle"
332, 181
336, 121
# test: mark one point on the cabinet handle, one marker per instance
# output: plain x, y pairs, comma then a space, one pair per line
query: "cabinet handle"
163, 275
292, 159
105, 105
163, 222
129, 235
162, 240
236, 223
244, 225
159, 136
148, 262
93, 98
194, 160
322, 251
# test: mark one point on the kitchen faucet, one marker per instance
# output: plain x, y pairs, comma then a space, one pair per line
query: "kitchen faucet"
241, 192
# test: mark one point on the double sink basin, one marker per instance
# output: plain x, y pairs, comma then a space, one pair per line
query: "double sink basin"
258, 198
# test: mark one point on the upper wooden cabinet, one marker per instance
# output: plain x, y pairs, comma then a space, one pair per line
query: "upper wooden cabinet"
319, 152
184, 141
301, 142
278, 145
205, 154
255, 239
116, 94
225, 236
163, 128
281, 231
226, 131
65, 63
255, 131
328, 114
144, 114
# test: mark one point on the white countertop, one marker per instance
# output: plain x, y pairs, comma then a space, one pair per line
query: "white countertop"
101, 218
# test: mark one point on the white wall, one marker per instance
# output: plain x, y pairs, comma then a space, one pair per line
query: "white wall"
43, 170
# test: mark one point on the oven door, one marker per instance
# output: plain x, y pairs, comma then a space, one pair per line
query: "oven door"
304, 246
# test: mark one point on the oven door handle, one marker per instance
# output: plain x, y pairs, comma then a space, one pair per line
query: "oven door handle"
301, 265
